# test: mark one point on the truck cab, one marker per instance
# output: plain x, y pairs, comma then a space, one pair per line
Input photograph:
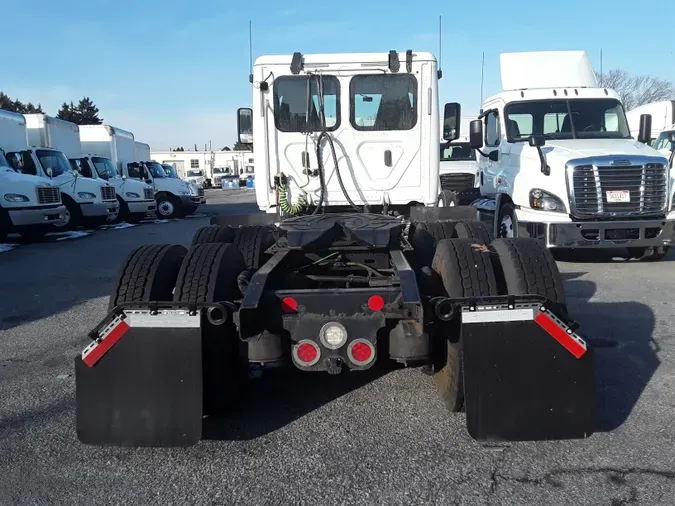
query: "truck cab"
366, 138
87, 201
664, 143
174, 197
458, 173
558, 163
195, 176
136, 198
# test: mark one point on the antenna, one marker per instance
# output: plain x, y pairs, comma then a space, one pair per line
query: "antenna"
482, 70
601, 76
250, 51
440, 46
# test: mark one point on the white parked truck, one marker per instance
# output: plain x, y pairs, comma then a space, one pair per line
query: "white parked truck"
87, 201
339, 291
558, 163
458, 173
105, 152
29, 205
175, 197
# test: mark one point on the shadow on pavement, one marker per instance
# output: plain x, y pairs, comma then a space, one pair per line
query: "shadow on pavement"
280, 397
595, 256
625, 351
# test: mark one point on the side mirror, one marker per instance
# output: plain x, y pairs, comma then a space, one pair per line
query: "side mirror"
645, 134
537, 140
476, 134
49, 172
451, 121
671, 137
75, 173
245, 125
148, 181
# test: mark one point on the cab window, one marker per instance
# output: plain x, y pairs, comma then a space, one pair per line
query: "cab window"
492, 129
294, 111
383, 102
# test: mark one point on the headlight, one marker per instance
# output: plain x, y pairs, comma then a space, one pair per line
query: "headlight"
133, 195
539, 199
16, 197
86, 195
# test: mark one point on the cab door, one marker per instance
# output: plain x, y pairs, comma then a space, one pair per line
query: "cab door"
490, 169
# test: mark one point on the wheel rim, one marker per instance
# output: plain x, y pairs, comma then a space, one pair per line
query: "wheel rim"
441, 202
165, 208
66, 215
506, 227
451, 204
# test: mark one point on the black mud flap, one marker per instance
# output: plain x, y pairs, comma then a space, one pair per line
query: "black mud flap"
528, 376
140, 383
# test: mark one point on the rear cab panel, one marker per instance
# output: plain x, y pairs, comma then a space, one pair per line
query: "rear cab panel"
383, 148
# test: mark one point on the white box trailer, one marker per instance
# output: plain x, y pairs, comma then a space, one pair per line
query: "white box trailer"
49, 142
662, 113
105, 152
29, 205
142, 152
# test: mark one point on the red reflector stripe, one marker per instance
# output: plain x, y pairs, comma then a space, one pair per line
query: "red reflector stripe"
108, 342
569, 343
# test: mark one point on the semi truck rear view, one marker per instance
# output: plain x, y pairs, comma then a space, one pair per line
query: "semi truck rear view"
350, 266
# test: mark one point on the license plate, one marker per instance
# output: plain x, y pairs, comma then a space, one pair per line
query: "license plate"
618, 196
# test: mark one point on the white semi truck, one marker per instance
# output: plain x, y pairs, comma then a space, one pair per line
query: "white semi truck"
174, 196
29, 205
87, 201
557, 161
105, 152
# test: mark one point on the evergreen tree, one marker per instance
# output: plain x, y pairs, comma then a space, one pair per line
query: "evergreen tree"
87, 113
68, 113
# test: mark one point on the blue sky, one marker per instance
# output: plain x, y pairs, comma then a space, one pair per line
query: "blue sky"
174, 73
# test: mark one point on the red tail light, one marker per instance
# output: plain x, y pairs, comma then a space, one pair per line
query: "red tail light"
376, 303
361, 352
306, 353
289, 305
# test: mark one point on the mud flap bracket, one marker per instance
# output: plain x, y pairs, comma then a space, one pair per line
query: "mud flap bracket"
527, 375
140, 382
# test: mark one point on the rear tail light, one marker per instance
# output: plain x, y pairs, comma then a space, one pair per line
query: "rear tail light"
306, 353
361, 352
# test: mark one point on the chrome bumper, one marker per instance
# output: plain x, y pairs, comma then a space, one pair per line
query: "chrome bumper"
142, 206
106, 208
601, 234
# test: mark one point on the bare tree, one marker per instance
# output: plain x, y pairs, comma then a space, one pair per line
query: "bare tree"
638, 90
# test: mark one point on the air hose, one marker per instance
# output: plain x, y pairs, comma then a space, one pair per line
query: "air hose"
286, 206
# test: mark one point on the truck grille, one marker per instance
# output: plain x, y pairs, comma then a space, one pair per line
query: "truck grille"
48, 195
148, 193
647, 184
108, 193
455, 182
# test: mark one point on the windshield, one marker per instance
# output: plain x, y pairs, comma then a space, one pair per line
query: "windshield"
593, 118
662, 142
169, 171
54, 160
156, 170
195, 173
460, 151
104, 167
3, 160
220, 171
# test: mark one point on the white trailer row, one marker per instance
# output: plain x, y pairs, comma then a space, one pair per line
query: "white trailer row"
55, 176
208, 168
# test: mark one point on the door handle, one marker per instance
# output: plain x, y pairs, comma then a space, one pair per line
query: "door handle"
305, 159
387, 157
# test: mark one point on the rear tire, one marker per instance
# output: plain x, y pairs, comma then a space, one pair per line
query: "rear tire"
528, 268
474, 230
213, 234
148, 274
252, 242
423, 236
465, 272
447, 198
168, 206
209, 274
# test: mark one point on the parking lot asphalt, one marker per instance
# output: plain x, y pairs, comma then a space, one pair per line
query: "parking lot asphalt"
381, 437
